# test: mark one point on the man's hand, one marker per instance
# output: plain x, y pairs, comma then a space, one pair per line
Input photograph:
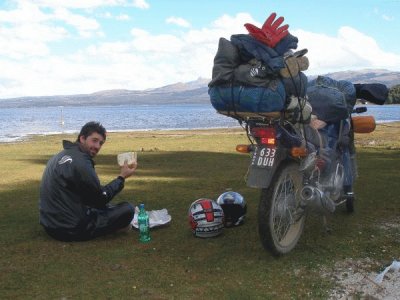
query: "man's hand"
128, 170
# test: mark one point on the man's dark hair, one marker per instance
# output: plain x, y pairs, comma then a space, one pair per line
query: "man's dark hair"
90, 128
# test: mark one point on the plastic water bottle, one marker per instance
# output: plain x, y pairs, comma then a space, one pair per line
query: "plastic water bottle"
143, 222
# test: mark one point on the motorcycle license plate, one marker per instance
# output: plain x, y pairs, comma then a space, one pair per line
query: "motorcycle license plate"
263, 157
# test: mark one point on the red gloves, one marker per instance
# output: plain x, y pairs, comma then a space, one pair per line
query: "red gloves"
270, 33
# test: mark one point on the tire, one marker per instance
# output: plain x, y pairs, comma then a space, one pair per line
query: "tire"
280, 217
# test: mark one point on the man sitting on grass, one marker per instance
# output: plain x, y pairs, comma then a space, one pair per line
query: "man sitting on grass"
73, 205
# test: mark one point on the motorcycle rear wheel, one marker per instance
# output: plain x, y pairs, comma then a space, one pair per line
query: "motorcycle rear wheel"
280, 215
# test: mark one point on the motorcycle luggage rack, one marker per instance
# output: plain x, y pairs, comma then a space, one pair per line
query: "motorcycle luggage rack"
264, 117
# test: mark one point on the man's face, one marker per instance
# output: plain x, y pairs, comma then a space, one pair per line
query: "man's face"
92, 144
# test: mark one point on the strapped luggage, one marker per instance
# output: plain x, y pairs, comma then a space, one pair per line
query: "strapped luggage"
248, 99
331, 100
373, 92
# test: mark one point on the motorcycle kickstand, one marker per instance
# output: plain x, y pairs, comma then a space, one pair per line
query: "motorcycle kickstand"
327, 228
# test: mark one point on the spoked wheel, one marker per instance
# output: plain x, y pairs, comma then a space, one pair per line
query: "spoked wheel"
280, 216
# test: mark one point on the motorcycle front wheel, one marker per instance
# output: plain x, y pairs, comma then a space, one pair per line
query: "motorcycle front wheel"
280, 216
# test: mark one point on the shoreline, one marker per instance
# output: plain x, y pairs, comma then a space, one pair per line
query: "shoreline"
141, 132
171, 131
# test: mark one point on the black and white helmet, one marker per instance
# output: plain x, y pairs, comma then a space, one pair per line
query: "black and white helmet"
234, 207
206, 218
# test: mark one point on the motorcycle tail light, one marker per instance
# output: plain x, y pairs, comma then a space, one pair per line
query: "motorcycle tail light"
267, 135
298, 152
243, 148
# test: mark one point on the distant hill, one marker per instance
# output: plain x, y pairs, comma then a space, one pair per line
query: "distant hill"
179, 93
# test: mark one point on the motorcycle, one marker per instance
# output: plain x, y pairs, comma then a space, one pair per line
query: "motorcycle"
300, 169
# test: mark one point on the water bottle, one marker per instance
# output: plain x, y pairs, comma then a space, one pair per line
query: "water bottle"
143, 222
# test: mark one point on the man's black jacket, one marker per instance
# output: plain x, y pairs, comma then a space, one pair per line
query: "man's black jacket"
70, 187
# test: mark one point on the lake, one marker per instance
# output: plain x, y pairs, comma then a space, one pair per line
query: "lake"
18, 123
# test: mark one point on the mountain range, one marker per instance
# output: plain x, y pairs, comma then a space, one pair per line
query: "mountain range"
193, 92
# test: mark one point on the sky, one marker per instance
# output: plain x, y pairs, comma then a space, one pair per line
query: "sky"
65, 47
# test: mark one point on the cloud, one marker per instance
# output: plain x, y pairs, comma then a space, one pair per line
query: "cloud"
120, 17
82, 24
387, 18
28, 22
26, 33
26, 12
87, 4
141, 4
30, 66
123, 17
349, 50
178, 21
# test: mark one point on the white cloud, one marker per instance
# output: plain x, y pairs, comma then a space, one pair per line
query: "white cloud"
141, 4
387, 18
145, 61
149, 60
28, 41
234, 24
86, 4
178, 21
29, 22
82, 24
349, 50
26, 33
123, 17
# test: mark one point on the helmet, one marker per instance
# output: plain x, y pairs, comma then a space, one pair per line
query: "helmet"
234, 207
206, 218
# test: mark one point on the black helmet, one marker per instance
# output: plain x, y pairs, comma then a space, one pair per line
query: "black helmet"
234, 207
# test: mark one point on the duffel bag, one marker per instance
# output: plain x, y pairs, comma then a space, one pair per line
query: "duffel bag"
296, 86
225, 62
330, 99
248, 98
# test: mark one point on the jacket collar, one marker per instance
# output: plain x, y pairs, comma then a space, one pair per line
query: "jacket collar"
75, 146
69, 145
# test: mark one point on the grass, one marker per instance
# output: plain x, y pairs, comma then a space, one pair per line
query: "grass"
176, 168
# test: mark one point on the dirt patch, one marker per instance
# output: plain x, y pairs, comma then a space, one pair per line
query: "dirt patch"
390, 224
354, 279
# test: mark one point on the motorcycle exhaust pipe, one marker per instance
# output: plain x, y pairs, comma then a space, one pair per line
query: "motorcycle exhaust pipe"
308, 193
317, 198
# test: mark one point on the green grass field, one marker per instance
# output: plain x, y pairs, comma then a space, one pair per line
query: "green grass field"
176, 168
